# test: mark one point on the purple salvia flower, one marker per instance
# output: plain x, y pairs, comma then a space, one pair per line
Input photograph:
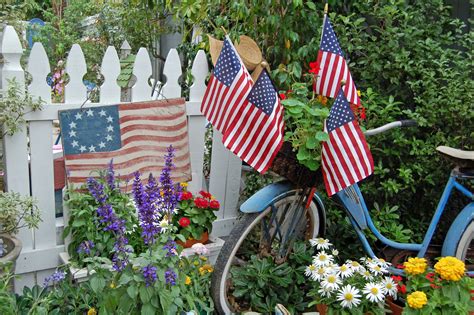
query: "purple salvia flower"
170, 248
138, 191
170, 198
149, 273
170, 276
145, 199
85, 247
96, 189
54, 279
110, 176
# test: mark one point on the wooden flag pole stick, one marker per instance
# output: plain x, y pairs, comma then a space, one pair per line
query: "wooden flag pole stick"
225, 32
326, 8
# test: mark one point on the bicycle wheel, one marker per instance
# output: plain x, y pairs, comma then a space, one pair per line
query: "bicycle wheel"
464, 244
261, 234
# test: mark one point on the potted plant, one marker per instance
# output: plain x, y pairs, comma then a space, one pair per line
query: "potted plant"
444, 289
351, 287
16, 211
195, 216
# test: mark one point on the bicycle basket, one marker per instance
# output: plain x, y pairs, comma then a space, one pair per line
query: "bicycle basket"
286, 164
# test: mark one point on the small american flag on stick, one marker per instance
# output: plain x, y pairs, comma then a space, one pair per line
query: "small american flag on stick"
135, 136
333, 67
229, 85
346, 157
256, 133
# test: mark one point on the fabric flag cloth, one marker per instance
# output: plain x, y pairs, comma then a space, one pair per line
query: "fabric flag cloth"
256, 133
346, 157
134, 135
229, 85
333, 68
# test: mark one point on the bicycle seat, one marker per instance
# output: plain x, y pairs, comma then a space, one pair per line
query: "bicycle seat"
461, 158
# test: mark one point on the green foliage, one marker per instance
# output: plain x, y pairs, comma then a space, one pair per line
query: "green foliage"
254, 181
14, 104
17, 211
85, 224
7, 297
387, 221
262, 283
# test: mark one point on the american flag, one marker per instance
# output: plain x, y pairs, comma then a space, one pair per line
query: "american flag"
256, 133
134, 135
227, 89
346, 157
333, 67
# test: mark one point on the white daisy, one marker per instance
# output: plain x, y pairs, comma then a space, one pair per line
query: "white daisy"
390, 286
335, 252
366, 274
309, 270
349, 296
320, 243
377, 269
374, 292
354, 265
319, 274
325, 292
322, 259
381, 262
164, 225
345, 271
332, 281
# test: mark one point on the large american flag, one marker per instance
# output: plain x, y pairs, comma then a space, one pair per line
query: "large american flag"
229, 85
346, 157
333, 67
256, 133
134, 135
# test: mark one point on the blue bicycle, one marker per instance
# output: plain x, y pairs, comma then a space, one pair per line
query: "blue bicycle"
279, 214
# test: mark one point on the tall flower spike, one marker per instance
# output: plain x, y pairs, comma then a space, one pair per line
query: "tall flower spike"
110, 176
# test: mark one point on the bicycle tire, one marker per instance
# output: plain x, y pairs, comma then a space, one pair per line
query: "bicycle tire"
244, 226
464, 244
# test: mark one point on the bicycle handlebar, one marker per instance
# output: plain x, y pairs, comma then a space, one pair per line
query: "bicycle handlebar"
394, 124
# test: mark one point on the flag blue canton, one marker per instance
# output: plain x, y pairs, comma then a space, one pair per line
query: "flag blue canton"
263, 94
90, 130
340, 114
329, 40
227, 65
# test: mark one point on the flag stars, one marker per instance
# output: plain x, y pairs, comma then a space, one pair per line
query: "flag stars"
91, 148
110, 119
108, 138
101, 145
90, 113
72, 133
75, 144
82, 148
110, 128
78, 116
72, 125
102, 113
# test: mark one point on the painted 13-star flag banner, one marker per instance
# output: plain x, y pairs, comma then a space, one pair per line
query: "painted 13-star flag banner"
134, 135
256, 133
346, 157
229, 85
333, 67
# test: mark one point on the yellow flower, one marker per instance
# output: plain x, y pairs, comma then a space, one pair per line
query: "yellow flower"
358, 93
187, 281
205, 268
287, 44
417, 299
184, 185
112, 285
450, 268
196, 263
323, 100
92, 311
203, 258
415, 266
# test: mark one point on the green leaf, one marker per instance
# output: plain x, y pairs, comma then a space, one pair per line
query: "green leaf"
292, 102
97, 284
145, 294
321, 136
148, 309
132, 292
311, 143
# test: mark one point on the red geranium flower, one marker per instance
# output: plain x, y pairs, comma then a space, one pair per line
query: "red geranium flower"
186, 195
397, 278
282, 96
201, 203
205, 194
214, 204
184, 222
402, 288
314, 67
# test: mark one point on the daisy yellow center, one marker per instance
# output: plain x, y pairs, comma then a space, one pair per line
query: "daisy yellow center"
322, 257
374, 290
343, 268
389, 286
321, 271
312, 267
367, 273
377, 268
348, 296
320, 241
355, 264
331, 279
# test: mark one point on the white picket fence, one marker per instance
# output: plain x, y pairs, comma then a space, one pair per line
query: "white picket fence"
28, 154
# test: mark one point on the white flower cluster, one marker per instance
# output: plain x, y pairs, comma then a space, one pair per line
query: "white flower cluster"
352, 281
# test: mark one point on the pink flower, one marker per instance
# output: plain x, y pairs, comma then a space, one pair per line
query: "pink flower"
200, 249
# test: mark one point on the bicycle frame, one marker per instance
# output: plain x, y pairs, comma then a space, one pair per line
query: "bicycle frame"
359, 216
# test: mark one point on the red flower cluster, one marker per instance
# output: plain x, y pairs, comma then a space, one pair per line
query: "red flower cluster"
214, 204
201, 203
400, 286
184, 222
186, 195
205, 194
314, 67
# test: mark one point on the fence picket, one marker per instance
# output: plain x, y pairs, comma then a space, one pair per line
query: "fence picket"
76, 91
110, 90
141, 90
172, 72
16, 146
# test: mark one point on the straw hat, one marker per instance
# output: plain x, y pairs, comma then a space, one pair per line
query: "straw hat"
258, 69
247, 49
